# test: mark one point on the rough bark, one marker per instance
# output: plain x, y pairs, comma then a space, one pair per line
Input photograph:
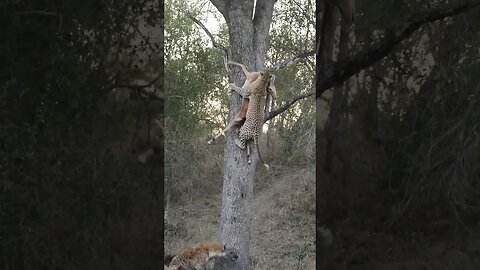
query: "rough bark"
332, 131
248, 43
332, 155
324, 58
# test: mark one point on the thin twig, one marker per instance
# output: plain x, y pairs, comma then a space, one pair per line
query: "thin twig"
214, 42
293, 60
42, 12
147, 41
140, 88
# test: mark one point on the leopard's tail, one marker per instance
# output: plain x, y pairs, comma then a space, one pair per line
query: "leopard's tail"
260, 155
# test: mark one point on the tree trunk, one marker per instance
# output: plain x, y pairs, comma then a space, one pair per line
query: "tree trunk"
338, 100
248, 43
325, 44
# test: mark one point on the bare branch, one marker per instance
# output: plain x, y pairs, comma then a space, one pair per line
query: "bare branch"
147, 41
42, 12
214, 42
293, 60
341, 71
287, 105
140, 88
36, 12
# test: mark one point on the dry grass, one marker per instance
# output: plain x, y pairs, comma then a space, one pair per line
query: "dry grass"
284, 205
286, 208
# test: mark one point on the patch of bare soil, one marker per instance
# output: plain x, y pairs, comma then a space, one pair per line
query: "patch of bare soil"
283, 229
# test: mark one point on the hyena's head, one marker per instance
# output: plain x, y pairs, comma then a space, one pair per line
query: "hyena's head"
223, 251
231, 253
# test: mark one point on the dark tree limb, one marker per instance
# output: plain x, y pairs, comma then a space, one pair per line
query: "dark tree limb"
293, 60
140, 88
214, 42
36, 12
286, 105
153, 46
339, 98
338, 72
326, 43
42, 12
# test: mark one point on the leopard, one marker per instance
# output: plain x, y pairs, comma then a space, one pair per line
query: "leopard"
240, 117
252, 127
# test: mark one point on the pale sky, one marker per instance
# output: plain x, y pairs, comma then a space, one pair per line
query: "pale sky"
212, 24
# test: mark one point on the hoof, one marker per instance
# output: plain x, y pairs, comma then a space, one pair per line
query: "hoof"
267, 167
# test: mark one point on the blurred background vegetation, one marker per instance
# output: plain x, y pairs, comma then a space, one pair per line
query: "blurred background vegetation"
405, 181
74, 115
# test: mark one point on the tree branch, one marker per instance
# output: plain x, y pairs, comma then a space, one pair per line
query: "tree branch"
140, 88
147, 41
214, 42
293, 60
36, 12
341, 71
42, 12
287, 105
